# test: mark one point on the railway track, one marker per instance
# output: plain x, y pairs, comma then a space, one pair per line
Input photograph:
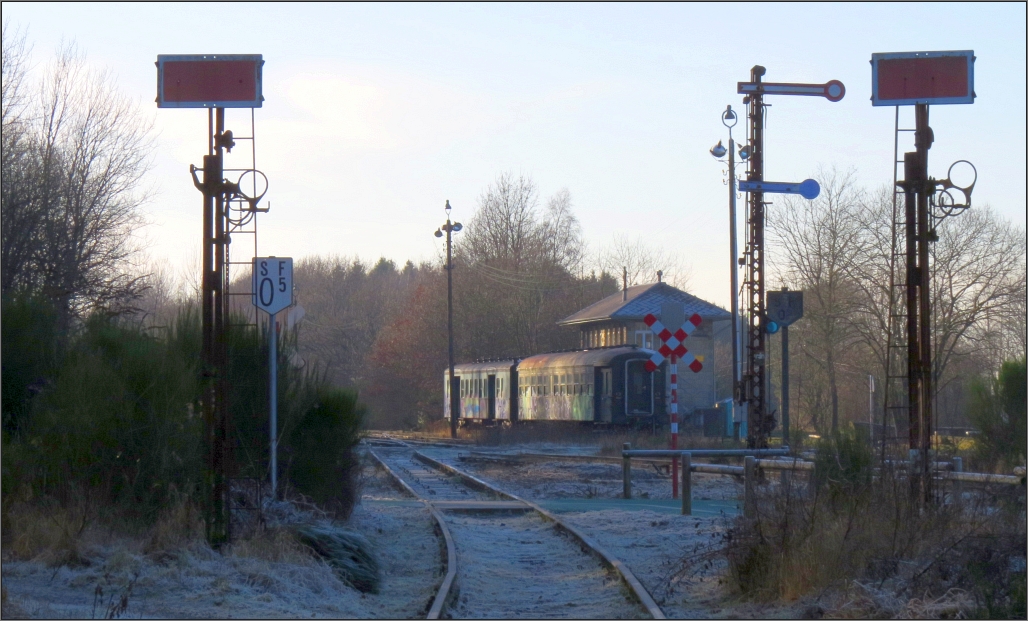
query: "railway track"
507, 557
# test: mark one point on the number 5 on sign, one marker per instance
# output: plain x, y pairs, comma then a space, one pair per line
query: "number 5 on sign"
272, 284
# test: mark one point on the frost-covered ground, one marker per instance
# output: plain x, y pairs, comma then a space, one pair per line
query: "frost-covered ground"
665, 551
576, 479
248, 582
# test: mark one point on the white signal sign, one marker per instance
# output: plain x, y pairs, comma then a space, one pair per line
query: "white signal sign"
272, 284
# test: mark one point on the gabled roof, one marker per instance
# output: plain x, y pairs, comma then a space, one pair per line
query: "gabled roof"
643, 300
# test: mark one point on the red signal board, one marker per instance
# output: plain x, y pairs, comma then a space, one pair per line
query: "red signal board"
908, 78
209, 81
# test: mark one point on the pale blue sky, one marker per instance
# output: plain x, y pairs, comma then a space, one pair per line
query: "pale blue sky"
376, 114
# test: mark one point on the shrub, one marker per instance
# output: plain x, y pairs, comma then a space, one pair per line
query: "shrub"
117, 422
843, 463
322, 461
120, 419
879, 537
998, 410
348, 553
29, 355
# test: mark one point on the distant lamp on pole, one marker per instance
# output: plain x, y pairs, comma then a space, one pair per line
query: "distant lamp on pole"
449, 228
729, 119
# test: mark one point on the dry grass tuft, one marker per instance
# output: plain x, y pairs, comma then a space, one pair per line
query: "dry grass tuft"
275, 545
868, 549
46, 532
867, 601
179, 525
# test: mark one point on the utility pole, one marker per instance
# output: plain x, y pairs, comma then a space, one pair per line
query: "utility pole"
451, 228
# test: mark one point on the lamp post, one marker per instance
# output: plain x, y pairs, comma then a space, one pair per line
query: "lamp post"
729, 119
450, 228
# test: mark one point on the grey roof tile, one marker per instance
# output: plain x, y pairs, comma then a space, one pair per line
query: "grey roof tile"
643, 300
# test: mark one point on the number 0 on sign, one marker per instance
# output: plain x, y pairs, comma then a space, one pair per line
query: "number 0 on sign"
272, 284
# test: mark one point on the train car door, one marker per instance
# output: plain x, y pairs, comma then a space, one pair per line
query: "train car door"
638, 389
449, 395
492, 397
604, 395
514, 394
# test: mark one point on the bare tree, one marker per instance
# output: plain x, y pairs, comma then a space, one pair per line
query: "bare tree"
516, 270
504, 227
978, 280
814, 242
562, 234
641, 262
72, 185
21, 214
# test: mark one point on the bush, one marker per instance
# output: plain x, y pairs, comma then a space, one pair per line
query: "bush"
120, 419
29, 355
114, 419
998, 410
842, 463
322, 461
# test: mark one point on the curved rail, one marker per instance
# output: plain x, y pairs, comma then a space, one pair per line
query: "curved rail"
605, 557
436, 609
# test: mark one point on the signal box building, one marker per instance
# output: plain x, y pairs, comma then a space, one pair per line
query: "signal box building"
618, 320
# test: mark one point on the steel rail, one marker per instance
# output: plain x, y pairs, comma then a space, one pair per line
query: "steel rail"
443, 593
636, 587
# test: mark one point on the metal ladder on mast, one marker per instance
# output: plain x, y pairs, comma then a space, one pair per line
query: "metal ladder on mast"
240, 315
896, 399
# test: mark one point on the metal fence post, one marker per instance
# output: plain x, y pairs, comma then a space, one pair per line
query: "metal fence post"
749, 479
812, 481
626, 470
686, 483
958, 485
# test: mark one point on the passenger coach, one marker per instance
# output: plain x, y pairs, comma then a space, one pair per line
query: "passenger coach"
605, 385
485, 391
